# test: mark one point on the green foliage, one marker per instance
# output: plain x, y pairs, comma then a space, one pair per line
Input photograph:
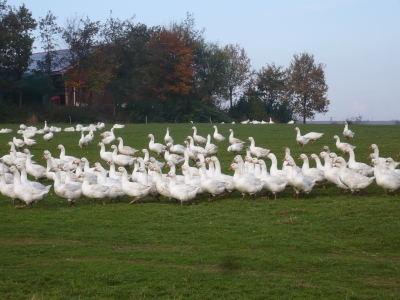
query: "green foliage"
324, 245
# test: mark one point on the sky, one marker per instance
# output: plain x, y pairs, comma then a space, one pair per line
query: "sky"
357, 40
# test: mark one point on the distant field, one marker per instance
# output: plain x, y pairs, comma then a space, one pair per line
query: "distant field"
324, 245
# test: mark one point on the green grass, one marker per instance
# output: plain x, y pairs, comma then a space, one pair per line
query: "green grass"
324, 245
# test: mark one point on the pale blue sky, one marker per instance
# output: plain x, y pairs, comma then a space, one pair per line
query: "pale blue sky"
358, 40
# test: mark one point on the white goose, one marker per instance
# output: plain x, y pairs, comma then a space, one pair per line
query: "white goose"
210, 148
235, 147
359, 167
347, 133
133, 189
27, 193
316, 174
353, 180
121, 159
115, 185
258, 152
175, 158
26, 181
247, 185
18, 142
82, 141
109, 139
127, 150
299, 182
227, 179
390, 182
342, 146
168, 138
274, 171
271, 183
217, 136
67, 158
104, 155
177, 148
209, 185
28, 141
48, 136
162, 184
71, 191
331, 173
194, 148
93, 191
234, 140
155, 147
311, 136
181, 191
7, 189
198, 138
317, 161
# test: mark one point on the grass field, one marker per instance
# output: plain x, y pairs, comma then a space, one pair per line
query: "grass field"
324, 245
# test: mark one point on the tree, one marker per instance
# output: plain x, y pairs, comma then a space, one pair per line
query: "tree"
236, 70
49, 32
306, 86
17, 27
171, 65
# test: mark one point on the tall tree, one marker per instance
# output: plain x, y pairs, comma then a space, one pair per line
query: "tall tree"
306, 86
236, 70
49, 34
171, 65
17, 25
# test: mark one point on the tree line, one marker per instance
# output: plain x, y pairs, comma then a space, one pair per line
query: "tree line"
170, 73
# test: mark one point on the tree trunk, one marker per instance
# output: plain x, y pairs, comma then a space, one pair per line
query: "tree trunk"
230, 97
304, 109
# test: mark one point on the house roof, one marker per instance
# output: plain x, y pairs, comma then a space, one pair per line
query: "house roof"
40, 56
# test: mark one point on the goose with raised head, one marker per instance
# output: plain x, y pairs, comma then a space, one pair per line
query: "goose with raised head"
9, 178
211, 148
271, 183
168, 138
258, 152
7, 188
300, 182
309, 137
115, 192
18, 142
359, 167
127, 150
331, 173
347, 133
217, 136
93, 191
175, 158
198, 138
162, 184
180, 191
194, 148
227, 179
209, 185
26, 181
82, 141
71, 191
342, 146
353, 180
274, 171
389, 181
67, 158
121, 159
104, 155
176, 148
376, 153
133, 189
234, 140
318, 163
314, 173
247, 185
28, 141
155, 147
109, 139
27, 193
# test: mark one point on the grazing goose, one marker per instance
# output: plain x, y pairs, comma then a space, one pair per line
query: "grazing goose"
125, 149
198, 138
347, 133
217, 136
48, 136
342, 146
235, 147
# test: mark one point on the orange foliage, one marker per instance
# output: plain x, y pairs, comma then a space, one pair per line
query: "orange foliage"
172, 65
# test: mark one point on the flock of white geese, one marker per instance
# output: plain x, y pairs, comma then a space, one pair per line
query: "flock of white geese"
128, 174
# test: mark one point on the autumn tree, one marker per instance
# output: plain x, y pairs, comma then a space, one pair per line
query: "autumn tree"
236, 71
306, 86
16, 27
171, 65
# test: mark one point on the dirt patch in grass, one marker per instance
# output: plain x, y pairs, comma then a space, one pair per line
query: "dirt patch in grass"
381, 281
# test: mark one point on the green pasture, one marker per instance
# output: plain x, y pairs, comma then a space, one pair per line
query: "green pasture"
324, 245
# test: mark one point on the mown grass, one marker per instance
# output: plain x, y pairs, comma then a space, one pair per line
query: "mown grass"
324, 245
